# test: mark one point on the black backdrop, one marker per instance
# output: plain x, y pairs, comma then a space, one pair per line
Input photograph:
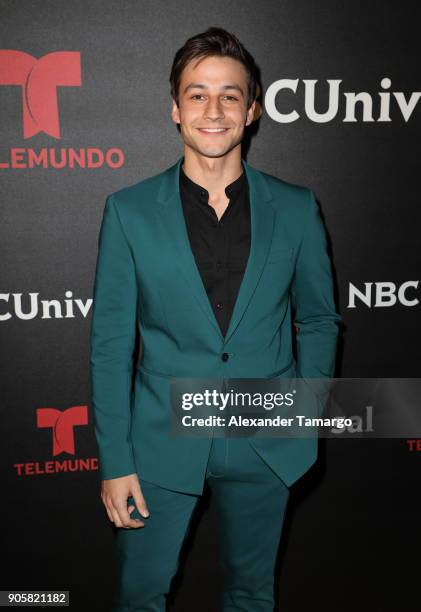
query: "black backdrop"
351, 536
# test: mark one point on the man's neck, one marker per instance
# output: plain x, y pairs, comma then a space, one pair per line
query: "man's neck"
213, 173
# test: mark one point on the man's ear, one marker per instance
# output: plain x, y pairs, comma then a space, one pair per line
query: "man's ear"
250, 113
175, 112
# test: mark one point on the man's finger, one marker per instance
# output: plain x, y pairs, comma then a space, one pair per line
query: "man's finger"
116, 517
110, 516
107, 506
140, 502
124, 516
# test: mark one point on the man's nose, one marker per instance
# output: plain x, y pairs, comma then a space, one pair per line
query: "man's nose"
214, 109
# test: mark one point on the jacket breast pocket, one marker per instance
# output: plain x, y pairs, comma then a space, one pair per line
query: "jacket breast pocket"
280, 254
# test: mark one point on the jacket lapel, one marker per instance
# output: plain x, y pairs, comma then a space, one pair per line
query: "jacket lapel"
262, 218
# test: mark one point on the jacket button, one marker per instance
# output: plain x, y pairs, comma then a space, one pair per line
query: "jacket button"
225, 356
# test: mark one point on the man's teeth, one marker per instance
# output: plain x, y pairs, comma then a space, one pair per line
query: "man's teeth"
213, 129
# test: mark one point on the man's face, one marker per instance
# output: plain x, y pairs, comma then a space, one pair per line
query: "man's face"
213, 94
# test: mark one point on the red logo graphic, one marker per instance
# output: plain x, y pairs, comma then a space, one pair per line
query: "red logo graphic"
39, 79
62, 423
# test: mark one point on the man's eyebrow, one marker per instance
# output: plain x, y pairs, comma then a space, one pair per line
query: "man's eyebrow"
223, 87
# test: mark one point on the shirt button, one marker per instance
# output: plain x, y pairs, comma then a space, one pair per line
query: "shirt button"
202, 193
219, 305
219, 264
224, 356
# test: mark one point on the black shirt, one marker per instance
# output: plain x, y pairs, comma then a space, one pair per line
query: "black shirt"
220, 248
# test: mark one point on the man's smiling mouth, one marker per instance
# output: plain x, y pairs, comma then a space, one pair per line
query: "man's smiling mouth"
213, 130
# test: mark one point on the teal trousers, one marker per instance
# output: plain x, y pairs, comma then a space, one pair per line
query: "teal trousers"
250, 501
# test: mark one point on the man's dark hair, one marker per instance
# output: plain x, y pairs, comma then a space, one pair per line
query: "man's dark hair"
213, 42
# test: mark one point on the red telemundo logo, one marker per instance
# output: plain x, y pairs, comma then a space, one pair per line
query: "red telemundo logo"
62, 424
38, 80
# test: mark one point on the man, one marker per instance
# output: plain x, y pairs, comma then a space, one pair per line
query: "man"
207, 259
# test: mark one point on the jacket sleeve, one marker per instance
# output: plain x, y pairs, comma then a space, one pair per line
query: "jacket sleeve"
112, 341
312, 296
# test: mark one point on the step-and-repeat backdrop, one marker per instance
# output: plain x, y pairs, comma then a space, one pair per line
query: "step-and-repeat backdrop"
85, 110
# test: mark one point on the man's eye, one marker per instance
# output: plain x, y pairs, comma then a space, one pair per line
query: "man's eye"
200, 96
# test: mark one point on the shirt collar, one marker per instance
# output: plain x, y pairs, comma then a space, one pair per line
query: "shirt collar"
231, 190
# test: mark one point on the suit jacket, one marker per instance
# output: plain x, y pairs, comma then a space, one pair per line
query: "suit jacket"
146, 277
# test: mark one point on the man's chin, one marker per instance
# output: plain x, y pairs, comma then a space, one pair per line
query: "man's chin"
213, 151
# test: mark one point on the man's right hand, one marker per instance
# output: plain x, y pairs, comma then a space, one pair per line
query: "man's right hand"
114, 494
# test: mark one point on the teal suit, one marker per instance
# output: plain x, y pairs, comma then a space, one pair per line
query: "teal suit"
146, 277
